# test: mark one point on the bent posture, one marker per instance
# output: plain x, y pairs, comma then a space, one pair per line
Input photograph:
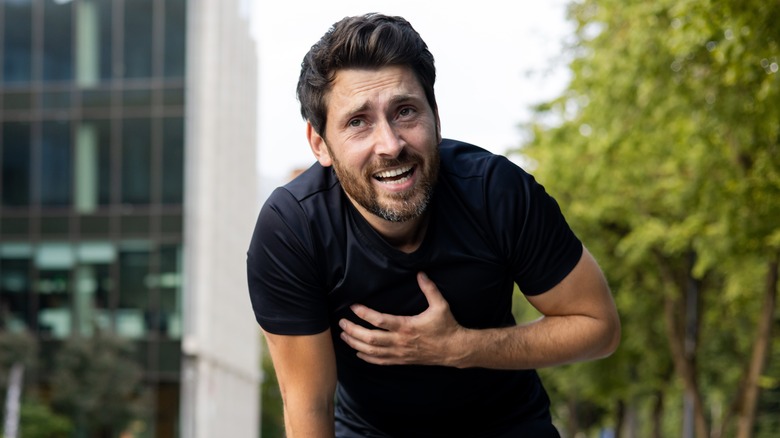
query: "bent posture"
383, 276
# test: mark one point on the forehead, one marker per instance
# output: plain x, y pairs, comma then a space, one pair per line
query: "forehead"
356, 87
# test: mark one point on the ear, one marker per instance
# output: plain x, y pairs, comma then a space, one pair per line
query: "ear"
318, 146
438, 127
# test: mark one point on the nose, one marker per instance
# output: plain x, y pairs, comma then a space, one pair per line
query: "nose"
387, 141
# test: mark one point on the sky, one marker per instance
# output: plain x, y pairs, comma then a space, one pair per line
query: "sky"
494, 59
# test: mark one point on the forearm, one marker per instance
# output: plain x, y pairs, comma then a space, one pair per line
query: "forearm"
548, 341
306, 369
304, 420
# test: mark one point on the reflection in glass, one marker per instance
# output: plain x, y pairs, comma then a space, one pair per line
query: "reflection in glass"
93, 165
138, 38
16, 164
15, 290
54, 262
54, 315
57, 41
88, 41
17, 41
56, 164
93, 285
134, 266
136, 161
170, 289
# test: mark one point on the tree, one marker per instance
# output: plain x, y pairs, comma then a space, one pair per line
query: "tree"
665, 156
272, 419
98, 385
38, 421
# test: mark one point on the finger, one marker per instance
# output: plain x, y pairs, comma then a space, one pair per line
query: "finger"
430, 290
362, 336
367, 343
377, 319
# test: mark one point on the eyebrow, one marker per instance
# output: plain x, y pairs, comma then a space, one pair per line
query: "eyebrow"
395, 100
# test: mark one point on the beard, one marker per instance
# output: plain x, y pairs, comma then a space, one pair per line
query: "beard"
393, 207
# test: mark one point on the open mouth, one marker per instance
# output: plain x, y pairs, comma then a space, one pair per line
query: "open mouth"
395, 176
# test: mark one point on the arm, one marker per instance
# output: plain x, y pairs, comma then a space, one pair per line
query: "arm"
306, 369
579, 322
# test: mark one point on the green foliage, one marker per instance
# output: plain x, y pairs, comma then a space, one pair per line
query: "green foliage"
272, 421
15, 348
98, 384
38, 421
666, 143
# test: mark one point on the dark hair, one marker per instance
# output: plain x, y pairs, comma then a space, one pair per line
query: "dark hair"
367, 41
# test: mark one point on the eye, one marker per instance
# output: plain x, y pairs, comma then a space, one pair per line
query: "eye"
406, 112
355, 123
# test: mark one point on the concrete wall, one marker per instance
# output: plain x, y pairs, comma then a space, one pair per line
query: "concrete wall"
221, 370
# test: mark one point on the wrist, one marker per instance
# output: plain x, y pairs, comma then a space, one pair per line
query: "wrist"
459, 348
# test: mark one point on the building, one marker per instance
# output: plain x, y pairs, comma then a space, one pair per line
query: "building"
128, 194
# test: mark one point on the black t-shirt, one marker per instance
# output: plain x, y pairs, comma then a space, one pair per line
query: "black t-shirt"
491, 225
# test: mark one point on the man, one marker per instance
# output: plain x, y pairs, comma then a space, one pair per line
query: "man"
382, 277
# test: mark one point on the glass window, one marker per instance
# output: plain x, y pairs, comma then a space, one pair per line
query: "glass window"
170, 290
173, 96
93, 165
18, 100
56, 164
17, 38
175, 38
93, 41
15, 227
97, 100
15, 290
55, 262
54, 315
57, 41
55, 226
133, 309
136, 161
138, 38
56, 100
93, 286
16, 164
173, 161
137, 98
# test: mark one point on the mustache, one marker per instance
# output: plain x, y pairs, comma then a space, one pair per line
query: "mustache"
404, 158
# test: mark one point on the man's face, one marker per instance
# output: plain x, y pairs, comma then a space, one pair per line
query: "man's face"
382, 139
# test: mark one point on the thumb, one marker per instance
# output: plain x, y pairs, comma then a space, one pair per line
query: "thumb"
430, 290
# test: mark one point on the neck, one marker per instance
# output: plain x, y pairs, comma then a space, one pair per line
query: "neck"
404, 236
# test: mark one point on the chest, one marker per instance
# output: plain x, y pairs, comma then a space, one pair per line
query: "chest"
472, 277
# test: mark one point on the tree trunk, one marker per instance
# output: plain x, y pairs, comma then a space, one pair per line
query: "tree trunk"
657, 415
685, 367
619, 417
747, 416
681, 328
572, 426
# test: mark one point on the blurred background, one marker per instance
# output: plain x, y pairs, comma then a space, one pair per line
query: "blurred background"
138, 139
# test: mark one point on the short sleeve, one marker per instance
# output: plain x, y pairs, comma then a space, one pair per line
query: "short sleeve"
541, 246
284, 285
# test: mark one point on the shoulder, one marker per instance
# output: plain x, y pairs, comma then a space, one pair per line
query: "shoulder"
474, 169
299, 210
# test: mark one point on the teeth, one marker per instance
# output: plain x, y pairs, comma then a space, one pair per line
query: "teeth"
395, 172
